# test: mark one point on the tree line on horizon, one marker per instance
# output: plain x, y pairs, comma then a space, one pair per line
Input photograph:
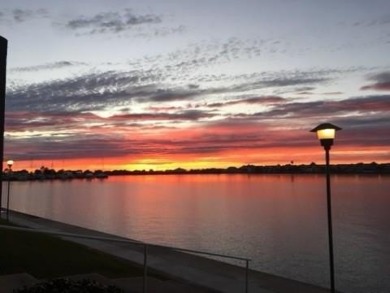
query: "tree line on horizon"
313, 168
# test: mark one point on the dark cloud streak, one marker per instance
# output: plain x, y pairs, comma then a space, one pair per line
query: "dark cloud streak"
48, 66
20, 15
264, 100
111, 22
362, 105
382, 82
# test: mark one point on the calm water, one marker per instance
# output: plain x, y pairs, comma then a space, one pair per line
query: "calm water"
279, 221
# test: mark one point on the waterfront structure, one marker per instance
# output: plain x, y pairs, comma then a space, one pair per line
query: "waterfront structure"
326, 133
9, 164
3, 64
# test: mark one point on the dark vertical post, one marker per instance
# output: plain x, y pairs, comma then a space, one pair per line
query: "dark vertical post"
247, 276
9, 186
145, 285
330, 232
3, 66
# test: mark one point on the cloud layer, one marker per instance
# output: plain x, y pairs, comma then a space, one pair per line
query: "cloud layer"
60, 119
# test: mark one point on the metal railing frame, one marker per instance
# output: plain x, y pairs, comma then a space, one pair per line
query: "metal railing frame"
139, 243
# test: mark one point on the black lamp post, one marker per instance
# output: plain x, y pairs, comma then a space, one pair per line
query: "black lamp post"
326, 133
9, 163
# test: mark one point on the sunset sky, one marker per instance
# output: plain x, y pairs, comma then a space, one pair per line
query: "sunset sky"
210, 83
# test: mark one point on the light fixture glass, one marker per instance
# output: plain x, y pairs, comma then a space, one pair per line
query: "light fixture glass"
328, 133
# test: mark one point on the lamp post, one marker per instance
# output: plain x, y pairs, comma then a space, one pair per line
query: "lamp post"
326, 133
9, 163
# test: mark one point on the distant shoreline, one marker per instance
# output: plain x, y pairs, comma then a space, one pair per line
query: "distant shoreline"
51, 174
359, 168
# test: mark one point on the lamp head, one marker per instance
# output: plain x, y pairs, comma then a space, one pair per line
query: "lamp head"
326, 133
10, 163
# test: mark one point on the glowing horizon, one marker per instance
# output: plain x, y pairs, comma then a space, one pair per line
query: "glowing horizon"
338, 156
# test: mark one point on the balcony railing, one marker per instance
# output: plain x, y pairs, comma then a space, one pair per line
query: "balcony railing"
145, 250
